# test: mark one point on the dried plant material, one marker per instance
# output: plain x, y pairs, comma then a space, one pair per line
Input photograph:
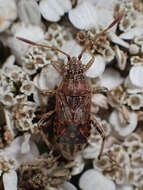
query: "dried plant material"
11, 81
128, 21
136, 160
102, 46
121, 158
136, 61
138, 5
133, 138
121, 128
103, 164
117, 158
121, 58
135, 101
44, 172
124, 115
23, 115
117, 96
81, 36
124, 161
108, 54
74, 2
110, 140
8, 137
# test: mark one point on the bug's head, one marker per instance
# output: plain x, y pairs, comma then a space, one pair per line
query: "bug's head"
75, 68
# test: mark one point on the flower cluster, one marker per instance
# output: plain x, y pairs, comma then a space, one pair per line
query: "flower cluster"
118, 66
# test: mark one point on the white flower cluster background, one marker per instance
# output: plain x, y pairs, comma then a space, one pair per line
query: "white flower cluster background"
25, 161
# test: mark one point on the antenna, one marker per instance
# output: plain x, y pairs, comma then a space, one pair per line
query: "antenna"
90, 43
44, 46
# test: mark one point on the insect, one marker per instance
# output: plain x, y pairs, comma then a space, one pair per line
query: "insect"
72, 118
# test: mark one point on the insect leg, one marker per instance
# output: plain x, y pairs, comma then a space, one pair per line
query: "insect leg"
45, 119
101, 132
54, 64
91, 61
47, 92
44, 137
44, 122
97, 90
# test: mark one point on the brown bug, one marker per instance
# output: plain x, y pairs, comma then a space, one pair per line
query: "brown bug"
72, 118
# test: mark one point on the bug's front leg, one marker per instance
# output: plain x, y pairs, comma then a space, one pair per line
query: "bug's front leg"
97, 90
98, 127
91, 61
58, 69
44, 122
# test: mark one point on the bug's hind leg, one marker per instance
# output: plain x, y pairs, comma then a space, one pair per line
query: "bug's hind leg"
45, 122
98, 127
44, 137
46, 119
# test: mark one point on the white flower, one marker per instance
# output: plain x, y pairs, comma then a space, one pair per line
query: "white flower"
52, 10
86, 16
28, 12
10, 180
92, 179
13, 156
8, 13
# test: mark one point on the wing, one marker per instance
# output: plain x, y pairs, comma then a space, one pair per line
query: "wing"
73, 108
